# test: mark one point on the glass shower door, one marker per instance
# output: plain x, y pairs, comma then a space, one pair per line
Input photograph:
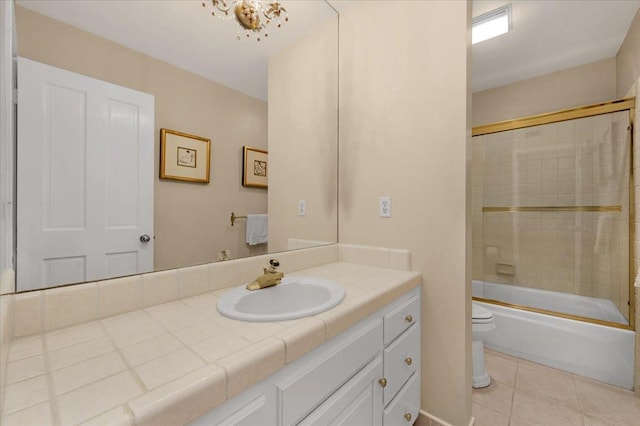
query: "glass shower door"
551, 217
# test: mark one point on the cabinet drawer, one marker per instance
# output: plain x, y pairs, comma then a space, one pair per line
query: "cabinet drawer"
404, 409
313, 383
401, 318
401, 360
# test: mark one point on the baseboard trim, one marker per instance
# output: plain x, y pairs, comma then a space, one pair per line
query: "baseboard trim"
431, 420
426, 419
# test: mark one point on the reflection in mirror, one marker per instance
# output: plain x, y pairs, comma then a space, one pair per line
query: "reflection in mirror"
277, 95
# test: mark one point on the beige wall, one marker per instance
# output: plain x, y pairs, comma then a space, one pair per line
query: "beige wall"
404, 133
628, 59
303, 139
583, 85
191, 220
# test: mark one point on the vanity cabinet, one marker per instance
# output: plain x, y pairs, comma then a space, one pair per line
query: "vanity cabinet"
401, 355
404, 409
357, 402
368, 375
254, 413
327, 372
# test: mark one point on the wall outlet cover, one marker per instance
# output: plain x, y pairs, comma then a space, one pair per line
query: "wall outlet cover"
384, 207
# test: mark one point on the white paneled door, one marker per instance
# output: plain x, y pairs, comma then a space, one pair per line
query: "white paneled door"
84, 178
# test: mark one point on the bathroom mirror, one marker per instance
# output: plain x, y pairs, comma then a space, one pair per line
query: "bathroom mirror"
211, 79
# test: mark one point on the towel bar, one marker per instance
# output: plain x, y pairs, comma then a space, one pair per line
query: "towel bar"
234, 217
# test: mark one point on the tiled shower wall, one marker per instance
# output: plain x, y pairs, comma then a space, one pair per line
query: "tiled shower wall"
582, 162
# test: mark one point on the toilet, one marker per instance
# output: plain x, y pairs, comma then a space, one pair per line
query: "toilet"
482, 323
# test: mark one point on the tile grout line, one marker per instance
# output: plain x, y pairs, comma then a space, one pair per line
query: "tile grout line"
53, 401
575, 388
193, 352
190, 349
124, 359
58, 331
92, 382
53, 370
130, 369
583, 402
171, 333
513, 394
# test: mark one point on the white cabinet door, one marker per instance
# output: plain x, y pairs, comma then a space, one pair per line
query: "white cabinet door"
84, 178
357, 402
301, 392
252, 414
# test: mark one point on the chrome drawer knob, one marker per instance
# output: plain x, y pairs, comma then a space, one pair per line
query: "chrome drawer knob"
408, 318
408, 361
383, 382
407, 417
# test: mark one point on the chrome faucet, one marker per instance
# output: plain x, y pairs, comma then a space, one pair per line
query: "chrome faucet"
269, 278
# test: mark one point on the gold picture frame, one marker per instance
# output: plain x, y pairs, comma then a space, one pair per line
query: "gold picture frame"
254, 167
184, 157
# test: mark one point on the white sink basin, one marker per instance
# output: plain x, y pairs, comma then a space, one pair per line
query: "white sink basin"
294, 297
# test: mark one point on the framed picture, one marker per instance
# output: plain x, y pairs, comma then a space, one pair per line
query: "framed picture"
254, 167
184, 156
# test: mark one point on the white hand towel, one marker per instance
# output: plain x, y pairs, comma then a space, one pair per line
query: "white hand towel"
257, 225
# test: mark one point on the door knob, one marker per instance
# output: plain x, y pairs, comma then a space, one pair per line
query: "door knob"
407, 417
145, 238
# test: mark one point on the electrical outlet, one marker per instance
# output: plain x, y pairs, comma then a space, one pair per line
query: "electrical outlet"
224, 255
384, 207
302, 208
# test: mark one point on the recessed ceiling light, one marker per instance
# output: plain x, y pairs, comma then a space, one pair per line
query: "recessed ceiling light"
491, 24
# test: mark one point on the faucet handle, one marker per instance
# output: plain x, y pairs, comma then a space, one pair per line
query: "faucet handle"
274, 263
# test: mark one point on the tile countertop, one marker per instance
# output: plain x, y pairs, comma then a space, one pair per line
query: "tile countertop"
170, 363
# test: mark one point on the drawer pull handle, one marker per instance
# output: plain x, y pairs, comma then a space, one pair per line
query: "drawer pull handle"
408, 318
408, 360
407, 417
383, 382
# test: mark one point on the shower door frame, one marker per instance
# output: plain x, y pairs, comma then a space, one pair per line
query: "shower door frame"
626, 104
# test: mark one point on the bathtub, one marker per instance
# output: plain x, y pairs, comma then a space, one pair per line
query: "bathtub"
595, 351
572, 304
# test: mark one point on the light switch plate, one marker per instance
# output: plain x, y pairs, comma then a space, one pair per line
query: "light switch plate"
302, 208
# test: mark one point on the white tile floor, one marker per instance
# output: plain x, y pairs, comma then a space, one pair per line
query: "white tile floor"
523, 393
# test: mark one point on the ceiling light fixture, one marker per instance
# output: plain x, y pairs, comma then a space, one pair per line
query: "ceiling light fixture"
253, 16
491, 24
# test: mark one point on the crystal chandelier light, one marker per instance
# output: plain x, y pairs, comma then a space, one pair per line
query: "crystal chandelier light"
253, 16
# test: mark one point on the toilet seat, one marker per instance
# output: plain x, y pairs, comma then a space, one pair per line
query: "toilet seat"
480, 315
